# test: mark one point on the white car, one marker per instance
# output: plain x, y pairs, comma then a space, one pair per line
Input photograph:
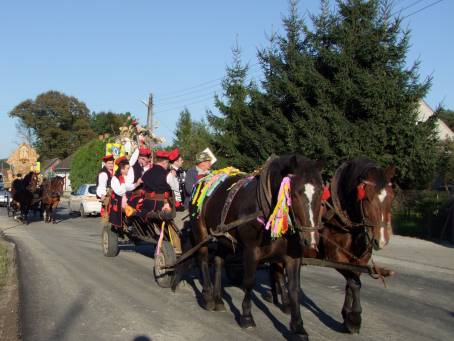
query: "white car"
84, 200
5, 197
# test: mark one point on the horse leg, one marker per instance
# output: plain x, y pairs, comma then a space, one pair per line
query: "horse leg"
207, 290
293, 266
54, 213
219, 303
250, 269
279, 279
351, 310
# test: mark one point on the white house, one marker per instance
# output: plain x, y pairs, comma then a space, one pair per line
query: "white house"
425, 111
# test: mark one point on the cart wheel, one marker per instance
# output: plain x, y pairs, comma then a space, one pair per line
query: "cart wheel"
109, 242
234, 270
164, 277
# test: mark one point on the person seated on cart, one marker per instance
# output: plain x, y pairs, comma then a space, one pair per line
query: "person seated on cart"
194, 174
157, 191
119, 188
104, 177
139, 162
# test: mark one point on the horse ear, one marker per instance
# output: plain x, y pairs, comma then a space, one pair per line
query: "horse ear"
390, 171
320, 164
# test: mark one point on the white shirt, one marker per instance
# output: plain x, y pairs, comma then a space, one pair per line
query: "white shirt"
129, 180
117, 187
101, 190
174, 184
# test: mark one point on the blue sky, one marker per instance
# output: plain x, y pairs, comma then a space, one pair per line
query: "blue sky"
110, 53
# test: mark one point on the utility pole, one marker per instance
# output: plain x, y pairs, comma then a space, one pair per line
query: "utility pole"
150, 114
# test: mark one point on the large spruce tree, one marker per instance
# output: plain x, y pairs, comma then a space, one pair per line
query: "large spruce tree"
342, 89
236, 128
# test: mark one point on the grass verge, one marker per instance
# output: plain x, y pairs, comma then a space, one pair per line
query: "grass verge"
3, 266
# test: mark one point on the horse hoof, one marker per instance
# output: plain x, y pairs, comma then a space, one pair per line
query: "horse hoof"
286, 309
299, 337
219, 306
209, 305
247, 322
352, 323
268, 296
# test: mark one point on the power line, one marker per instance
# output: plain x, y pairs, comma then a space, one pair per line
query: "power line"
179, 107
422, 9
204, 84
407, 7
206, 90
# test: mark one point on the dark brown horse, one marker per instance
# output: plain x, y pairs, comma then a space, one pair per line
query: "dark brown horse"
356, 221
259, 196
22, 193
52, 190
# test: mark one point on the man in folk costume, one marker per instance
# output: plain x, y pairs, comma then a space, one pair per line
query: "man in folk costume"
194, 174
139, 162
119, 188
175, 178
157, 190
103, 181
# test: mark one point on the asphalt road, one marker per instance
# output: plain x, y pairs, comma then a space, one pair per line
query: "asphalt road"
70, 291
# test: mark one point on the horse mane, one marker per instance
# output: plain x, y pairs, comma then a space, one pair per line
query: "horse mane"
272, 173
27, 179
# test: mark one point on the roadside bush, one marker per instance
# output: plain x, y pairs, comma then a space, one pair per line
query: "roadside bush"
86, 163
421, 213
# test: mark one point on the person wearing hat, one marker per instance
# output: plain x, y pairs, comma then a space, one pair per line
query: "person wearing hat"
139, 162
157, 190
104, 177
194, 174
119, 188
175, 178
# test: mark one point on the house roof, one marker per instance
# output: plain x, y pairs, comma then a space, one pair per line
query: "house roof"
66, 163
425, 112
46, 164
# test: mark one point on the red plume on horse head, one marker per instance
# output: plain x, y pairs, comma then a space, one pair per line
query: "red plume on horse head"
360, 192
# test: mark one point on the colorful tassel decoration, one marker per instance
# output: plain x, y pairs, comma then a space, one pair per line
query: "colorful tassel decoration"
278, 221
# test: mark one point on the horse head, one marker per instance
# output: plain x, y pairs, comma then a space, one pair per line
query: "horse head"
366, 194
30, 181
306, 187
55, 187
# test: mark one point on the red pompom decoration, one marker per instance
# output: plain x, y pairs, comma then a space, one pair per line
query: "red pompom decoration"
360, 192
326, 193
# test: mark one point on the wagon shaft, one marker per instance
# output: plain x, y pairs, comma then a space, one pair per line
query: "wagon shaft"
347, 266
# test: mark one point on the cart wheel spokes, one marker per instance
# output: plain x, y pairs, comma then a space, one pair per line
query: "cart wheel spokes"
166, 257
109, 242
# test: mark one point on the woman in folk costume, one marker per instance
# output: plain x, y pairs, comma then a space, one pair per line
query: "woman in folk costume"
119, 188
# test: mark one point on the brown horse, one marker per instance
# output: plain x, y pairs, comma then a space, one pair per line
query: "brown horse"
52, 190
259, 196
22, 193
358, 220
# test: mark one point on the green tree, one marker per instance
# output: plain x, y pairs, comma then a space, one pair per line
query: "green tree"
60, 123
108, 122
236, 139
86, 163
341, 89
446, 116
191, 137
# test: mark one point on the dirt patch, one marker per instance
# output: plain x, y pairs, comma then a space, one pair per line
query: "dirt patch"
9, 293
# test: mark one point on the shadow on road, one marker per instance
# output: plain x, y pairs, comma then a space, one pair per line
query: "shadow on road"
64, 325
141, 338
320, 314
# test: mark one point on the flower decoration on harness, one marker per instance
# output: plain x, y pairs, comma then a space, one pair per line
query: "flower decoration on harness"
278, 221
206, 186
326, 193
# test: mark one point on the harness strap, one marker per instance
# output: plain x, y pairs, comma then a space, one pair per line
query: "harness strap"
234, 189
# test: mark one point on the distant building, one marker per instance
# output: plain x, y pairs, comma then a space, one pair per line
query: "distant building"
63, 169
443, 131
